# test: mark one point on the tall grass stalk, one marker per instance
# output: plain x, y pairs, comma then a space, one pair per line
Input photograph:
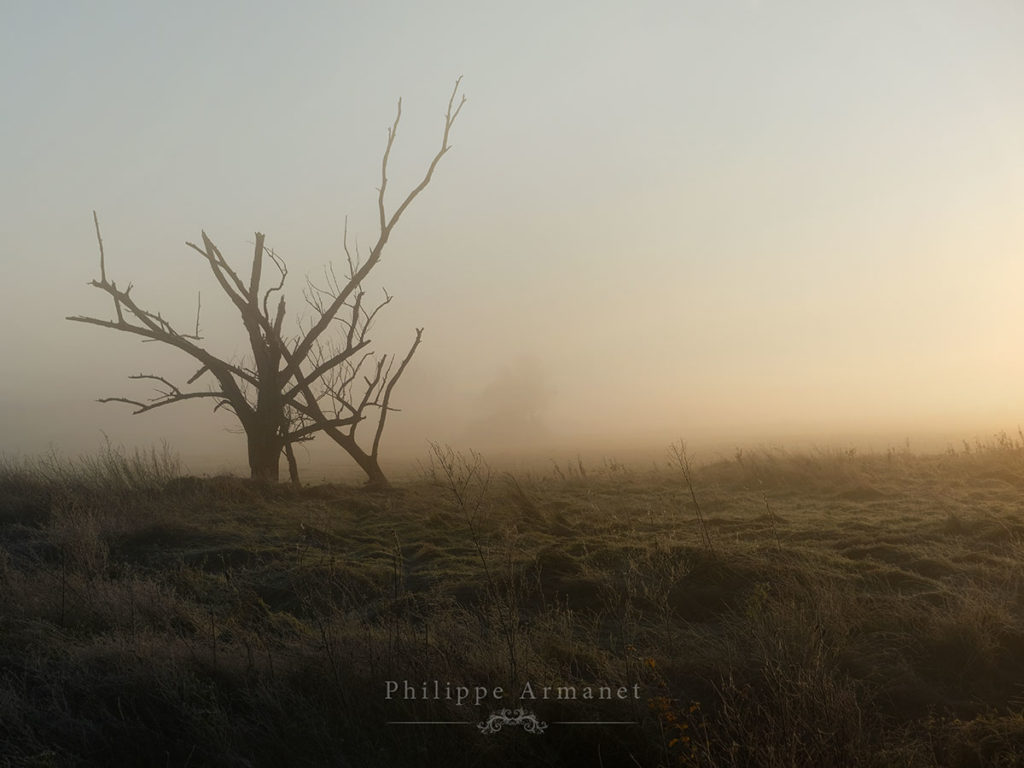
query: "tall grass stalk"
681, 459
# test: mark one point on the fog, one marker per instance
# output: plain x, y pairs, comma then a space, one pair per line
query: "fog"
739, 223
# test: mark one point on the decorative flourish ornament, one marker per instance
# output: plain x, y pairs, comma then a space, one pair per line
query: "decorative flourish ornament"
504, 717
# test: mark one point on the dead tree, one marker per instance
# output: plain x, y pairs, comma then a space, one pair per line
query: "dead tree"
294, 387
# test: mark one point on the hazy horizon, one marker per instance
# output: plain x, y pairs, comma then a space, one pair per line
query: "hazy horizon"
741, 223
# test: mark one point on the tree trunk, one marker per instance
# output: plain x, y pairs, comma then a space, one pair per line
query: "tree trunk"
374, 474
264, 455
293, 466
375, 477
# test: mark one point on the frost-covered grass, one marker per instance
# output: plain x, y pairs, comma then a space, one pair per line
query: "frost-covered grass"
824, 609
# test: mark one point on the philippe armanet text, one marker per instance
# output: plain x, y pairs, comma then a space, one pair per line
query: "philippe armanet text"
461, 694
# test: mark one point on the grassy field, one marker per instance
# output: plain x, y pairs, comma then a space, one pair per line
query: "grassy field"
772, 609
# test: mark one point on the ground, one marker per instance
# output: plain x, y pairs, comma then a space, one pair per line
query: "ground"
770, 609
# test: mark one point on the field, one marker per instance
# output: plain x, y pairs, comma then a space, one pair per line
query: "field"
769, 609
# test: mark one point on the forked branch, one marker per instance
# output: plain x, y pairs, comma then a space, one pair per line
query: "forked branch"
387, 224
170, 394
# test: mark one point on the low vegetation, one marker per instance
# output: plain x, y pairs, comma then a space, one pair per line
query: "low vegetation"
770, 609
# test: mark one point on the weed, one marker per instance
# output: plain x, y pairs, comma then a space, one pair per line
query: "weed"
682, 460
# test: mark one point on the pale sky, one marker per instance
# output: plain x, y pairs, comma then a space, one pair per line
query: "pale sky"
726, 220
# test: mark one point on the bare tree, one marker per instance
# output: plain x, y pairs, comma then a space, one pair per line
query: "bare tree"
294, 386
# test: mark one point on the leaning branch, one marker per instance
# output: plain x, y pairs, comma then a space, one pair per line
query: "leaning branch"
384, 406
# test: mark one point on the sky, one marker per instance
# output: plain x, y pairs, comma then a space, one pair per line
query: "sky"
733, 221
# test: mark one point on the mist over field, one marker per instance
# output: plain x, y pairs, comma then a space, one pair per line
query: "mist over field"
745, 223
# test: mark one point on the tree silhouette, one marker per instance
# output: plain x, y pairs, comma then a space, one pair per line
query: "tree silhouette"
293, 387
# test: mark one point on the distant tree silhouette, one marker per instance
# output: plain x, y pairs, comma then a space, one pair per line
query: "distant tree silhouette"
294, 386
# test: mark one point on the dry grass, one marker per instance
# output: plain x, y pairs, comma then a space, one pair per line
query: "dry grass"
824, 609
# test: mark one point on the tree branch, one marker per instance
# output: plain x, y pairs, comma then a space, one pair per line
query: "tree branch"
387, 224
323, 368
384, 408
171, 395
99, 239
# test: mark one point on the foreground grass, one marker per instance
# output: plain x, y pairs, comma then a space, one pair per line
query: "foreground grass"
824, 609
